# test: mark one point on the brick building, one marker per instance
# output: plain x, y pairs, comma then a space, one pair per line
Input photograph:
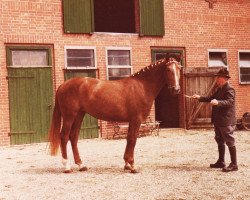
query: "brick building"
42, 43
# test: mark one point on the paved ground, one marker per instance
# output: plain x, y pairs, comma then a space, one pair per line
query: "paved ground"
173, 165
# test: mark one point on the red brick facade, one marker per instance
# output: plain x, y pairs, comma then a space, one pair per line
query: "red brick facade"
188, 24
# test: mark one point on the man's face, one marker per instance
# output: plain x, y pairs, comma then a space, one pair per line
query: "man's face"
220, 81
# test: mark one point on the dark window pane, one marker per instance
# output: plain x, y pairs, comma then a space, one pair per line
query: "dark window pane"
245, 75
118, 57
117, 73
80, 53
117, 16
80, 62
244, 59
80, 58
114, 72
125, 71
167, 55
217, 59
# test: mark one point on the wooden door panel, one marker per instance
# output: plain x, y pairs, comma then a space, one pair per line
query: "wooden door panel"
30, 94
200, 81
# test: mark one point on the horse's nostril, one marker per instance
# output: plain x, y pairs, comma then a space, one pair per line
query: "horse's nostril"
177, 90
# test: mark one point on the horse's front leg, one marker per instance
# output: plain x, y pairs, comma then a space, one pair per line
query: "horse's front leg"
131, 142
74, 135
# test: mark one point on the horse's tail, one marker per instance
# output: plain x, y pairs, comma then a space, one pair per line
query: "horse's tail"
54, 132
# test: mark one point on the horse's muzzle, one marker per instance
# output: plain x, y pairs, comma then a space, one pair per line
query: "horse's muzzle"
176, 90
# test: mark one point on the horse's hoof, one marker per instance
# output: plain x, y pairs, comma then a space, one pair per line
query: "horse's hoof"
126, 167
83, 169
68, 171
134, 171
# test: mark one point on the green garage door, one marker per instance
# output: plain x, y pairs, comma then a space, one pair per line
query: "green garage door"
89, 127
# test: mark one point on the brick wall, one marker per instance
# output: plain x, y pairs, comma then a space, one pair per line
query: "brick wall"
188, 24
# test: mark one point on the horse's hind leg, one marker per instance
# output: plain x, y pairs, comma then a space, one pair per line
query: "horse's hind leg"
66, 128
131, 142
74, 135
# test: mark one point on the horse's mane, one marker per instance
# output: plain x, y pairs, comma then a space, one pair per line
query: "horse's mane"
153, 66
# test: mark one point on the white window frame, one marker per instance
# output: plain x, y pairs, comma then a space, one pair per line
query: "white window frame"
118, 66
242, 51
79, 47
217, 50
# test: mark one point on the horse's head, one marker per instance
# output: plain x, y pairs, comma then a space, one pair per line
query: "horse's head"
173, 69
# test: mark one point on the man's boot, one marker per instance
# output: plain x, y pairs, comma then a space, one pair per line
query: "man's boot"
233, 165
221, 161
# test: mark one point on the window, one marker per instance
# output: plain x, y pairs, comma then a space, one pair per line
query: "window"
115, 16
244, 67
80, 57
176, 53
118, 63
28, 56
217, 58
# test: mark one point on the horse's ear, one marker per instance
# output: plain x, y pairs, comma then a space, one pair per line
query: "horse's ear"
173, 56
178, 57
170, 59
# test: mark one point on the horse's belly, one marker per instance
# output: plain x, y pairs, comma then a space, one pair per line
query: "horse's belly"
109, 113
109, 109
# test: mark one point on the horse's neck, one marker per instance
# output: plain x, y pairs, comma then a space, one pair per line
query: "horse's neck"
153, 79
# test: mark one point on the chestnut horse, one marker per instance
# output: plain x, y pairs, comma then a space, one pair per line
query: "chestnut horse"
126, 100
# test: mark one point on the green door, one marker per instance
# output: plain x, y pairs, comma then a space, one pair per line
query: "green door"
30, 96
89, 127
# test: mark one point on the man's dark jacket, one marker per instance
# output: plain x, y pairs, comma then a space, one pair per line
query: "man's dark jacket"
223, 114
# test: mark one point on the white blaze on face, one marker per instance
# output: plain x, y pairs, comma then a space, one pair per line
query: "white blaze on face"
175, 77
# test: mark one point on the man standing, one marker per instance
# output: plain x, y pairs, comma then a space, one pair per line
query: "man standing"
223, 118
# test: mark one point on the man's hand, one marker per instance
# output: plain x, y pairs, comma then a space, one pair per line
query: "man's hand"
196, 96
214, 102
